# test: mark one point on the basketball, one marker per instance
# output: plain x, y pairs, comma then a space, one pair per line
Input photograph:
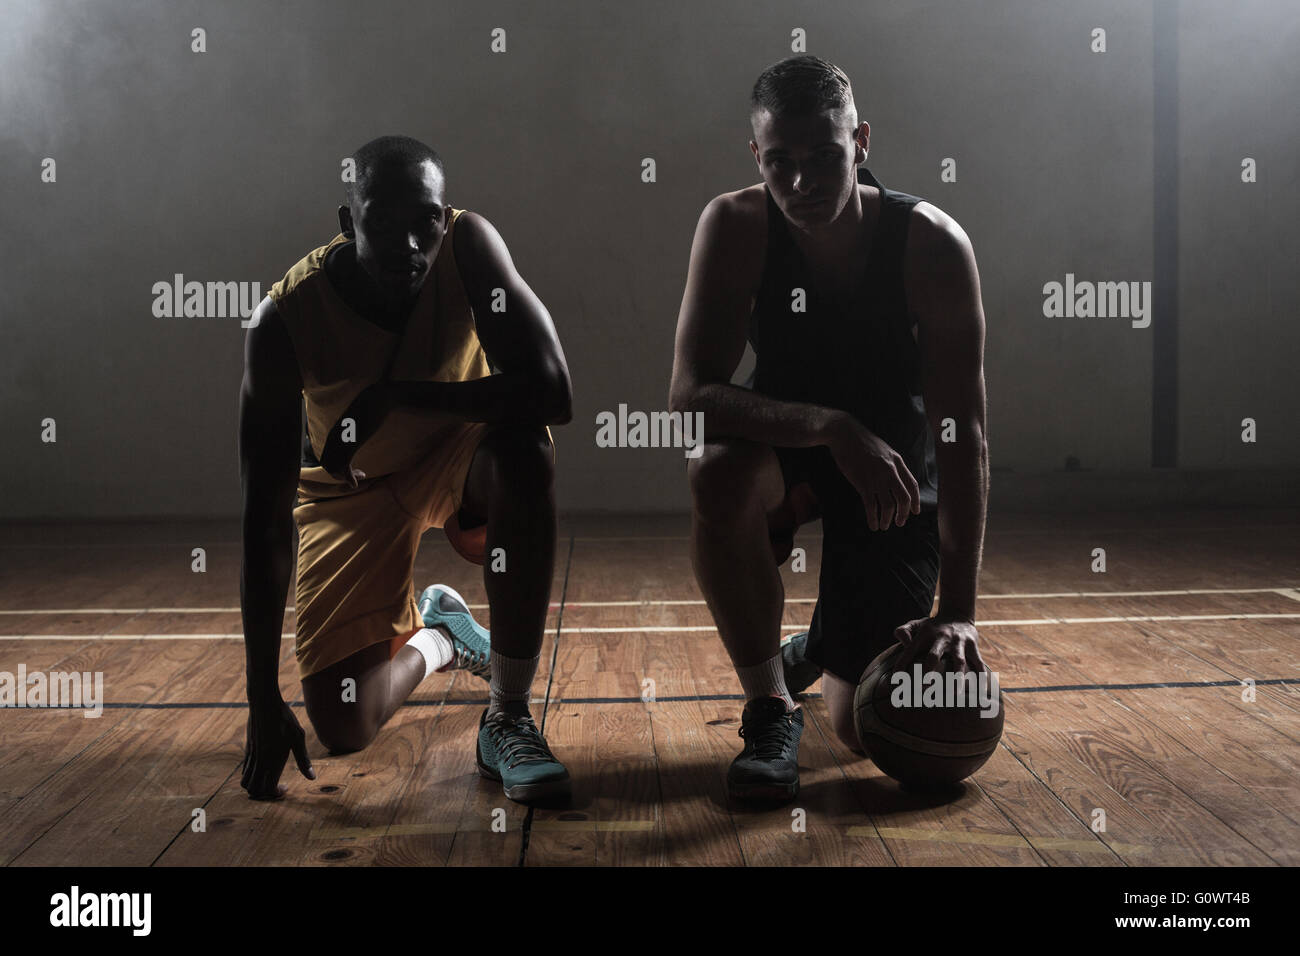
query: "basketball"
926, 730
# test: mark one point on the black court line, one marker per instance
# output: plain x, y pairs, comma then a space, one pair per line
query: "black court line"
689, 698
546, 697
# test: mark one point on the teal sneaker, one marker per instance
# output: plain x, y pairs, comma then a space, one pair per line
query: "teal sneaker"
443, 608
512, 750
800, 673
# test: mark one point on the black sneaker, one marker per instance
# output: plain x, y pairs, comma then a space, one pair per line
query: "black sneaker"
768, 767
800, 673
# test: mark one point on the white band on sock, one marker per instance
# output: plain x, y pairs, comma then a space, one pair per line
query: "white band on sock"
434, 647
765, 679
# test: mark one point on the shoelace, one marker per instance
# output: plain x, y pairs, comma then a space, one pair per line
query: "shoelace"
472, 661
518, 741
772, 737
463, 657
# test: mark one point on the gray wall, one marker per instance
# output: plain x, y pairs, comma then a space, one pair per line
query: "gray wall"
224, 166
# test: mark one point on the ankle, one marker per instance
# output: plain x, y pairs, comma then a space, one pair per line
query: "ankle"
766, 679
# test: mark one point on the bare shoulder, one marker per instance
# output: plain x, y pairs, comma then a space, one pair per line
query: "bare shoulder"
473, 230
931, 233
731, 240
265, 326
740, 212
475, 238
269, 358
939, 270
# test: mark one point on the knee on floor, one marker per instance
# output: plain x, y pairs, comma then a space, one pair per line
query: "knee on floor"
345, 736
842, 724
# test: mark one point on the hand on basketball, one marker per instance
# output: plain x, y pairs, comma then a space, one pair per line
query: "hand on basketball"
945, 646
888, 490
273, 732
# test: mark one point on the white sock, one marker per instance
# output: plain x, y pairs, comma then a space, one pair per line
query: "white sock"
434, 647
766, 679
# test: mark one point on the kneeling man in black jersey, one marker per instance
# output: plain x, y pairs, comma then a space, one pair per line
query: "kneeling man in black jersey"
862, 305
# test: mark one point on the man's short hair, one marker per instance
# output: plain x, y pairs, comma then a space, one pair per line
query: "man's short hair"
387, 152
800, 85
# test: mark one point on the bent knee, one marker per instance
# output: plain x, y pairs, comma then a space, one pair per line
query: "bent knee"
342, 726
731, 475
522, 455
842, 725
340, 736
838, 695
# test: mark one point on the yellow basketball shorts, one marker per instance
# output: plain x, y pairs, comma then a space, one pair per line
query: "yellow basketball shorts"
356, 553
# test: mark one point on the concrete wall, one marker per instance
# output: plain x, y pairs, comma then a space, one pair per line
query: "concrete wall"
224, 165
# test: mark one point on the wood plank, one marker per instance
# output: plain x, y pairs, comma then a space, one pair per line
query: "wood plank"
1130, 753
126, 795
613, 818
448, 804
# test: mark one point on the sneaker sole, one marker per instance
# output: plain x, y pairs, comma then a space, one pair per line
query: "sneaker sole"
524, 792
763, 792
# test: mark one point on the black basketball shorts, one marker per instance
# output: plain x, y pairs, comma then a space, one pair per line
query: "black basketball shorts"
872, 582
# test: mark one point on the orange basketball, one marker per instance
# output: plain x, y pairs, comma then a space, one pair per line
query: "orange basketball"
471, 544
926, 730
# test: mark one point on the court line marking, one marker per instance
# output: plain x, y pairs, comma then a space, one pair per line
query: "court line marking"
991, 531
666, 699
1027, 622
418, 829
999, 839
813, 535
1286, 592
1067, 844
679, 629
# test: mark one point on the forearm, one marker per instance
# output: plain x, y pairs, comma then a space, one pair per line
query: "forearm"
963, 500
732, 411
263, 591
506, 398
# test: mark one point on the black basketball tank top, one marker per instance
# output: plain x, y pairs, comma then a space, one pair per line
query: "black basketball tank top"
865, 362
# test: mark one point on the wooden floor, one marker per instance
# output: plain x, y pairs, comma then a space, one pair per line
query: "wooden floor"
1123, 695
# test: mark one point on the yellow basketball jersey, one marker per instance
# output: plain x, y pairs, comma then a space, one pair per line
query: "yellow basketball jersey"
340, 354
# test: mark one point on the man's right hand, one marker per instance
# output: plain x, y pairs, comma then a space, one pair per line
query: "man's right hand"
366, 413
881, 476
273, 732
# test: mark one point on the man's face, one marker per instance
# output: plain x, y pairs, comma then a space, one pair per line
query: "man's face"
399, 227
810, 162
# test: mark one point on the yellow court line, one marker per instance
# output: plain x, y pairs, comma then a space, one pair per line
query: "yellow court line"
999, 839
420, 829
1065, 844
396, 829
599, 826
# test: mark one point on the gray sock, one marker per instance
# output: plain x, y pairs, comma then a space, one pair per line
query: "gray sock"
765, 680
512, 682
